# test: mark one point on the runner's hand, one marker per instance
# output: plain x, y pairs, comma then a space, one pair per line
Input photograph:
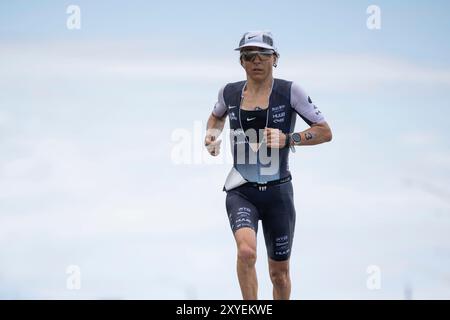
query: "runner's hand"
212, 145
274, 138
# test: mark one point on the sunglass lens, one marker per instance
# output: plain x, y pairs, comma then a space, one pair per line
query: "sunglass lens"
250, 55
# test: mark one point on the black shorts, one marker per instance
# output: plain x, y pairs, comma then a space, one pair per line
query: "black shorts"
246, 205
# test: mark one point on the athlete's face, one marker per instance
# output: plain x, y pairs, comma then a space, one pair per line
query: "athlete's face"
260, 67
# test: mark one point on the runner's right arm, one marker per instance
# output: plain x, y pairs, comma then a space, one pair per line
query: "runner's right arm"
215, 125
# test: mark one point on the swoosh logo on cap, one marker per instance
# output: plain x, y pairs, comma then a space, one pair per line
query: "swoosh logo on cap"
250, 119
251, 37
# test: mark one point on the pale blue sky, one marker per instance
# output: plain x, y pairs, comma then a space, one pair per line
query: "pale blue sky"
86, 124
413, 29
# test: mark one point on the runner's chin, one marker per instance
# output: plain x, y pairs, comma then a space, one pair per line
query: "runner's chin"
258, 73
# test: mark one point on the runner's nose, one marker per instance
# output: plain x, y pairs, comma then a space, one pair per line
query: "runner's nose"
257, 57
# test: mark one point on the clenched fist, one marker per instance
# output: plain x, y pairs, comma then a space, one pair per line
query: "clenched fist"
274, 138
212, 145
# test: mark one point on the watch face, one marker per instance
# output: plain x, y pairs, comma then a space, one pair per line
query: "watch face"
296, 137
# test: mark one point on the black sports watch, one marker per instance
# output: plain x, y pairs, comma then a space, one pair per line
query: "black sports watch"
296, 138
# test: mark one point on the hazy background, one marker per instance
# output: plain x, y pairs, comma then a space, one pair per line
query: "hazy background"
87, 133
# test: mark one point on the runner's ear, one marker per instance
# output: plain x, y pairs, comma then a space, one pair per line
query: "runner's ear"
276, 57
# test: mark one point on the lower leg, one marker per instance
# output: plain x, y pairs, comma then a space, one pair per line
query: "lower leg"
246, 260
279, 274
282, 290
247, 278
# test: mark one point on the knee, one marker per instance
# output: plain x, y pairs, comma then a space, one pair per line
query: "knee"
247, 254
280, 277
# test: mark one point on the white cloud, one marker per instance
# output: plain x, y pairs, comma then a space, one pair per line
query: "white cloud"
323, 72
439, 159
419, 138
124, 205
362, 72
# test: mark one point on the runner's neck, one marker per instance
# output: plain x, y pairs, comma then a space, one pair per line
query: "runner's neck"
257, 88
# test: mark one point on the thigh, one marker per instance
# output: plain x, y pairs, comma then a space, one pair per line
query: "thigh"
278, 223
245, 239
242, 213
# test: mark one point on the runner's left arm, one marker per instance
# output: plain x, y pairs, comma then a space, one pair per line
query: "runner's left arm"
319, 131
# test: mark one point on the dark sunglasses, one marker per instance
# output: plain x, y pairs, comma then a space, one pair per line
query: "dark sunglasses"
251, 55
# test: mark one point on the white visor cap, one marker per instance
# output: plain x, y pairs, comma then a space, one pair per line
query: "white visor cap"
262, 39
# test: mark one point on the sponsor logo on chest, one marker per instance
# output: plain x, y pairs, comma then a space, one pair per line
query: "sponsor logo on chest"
278, 113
